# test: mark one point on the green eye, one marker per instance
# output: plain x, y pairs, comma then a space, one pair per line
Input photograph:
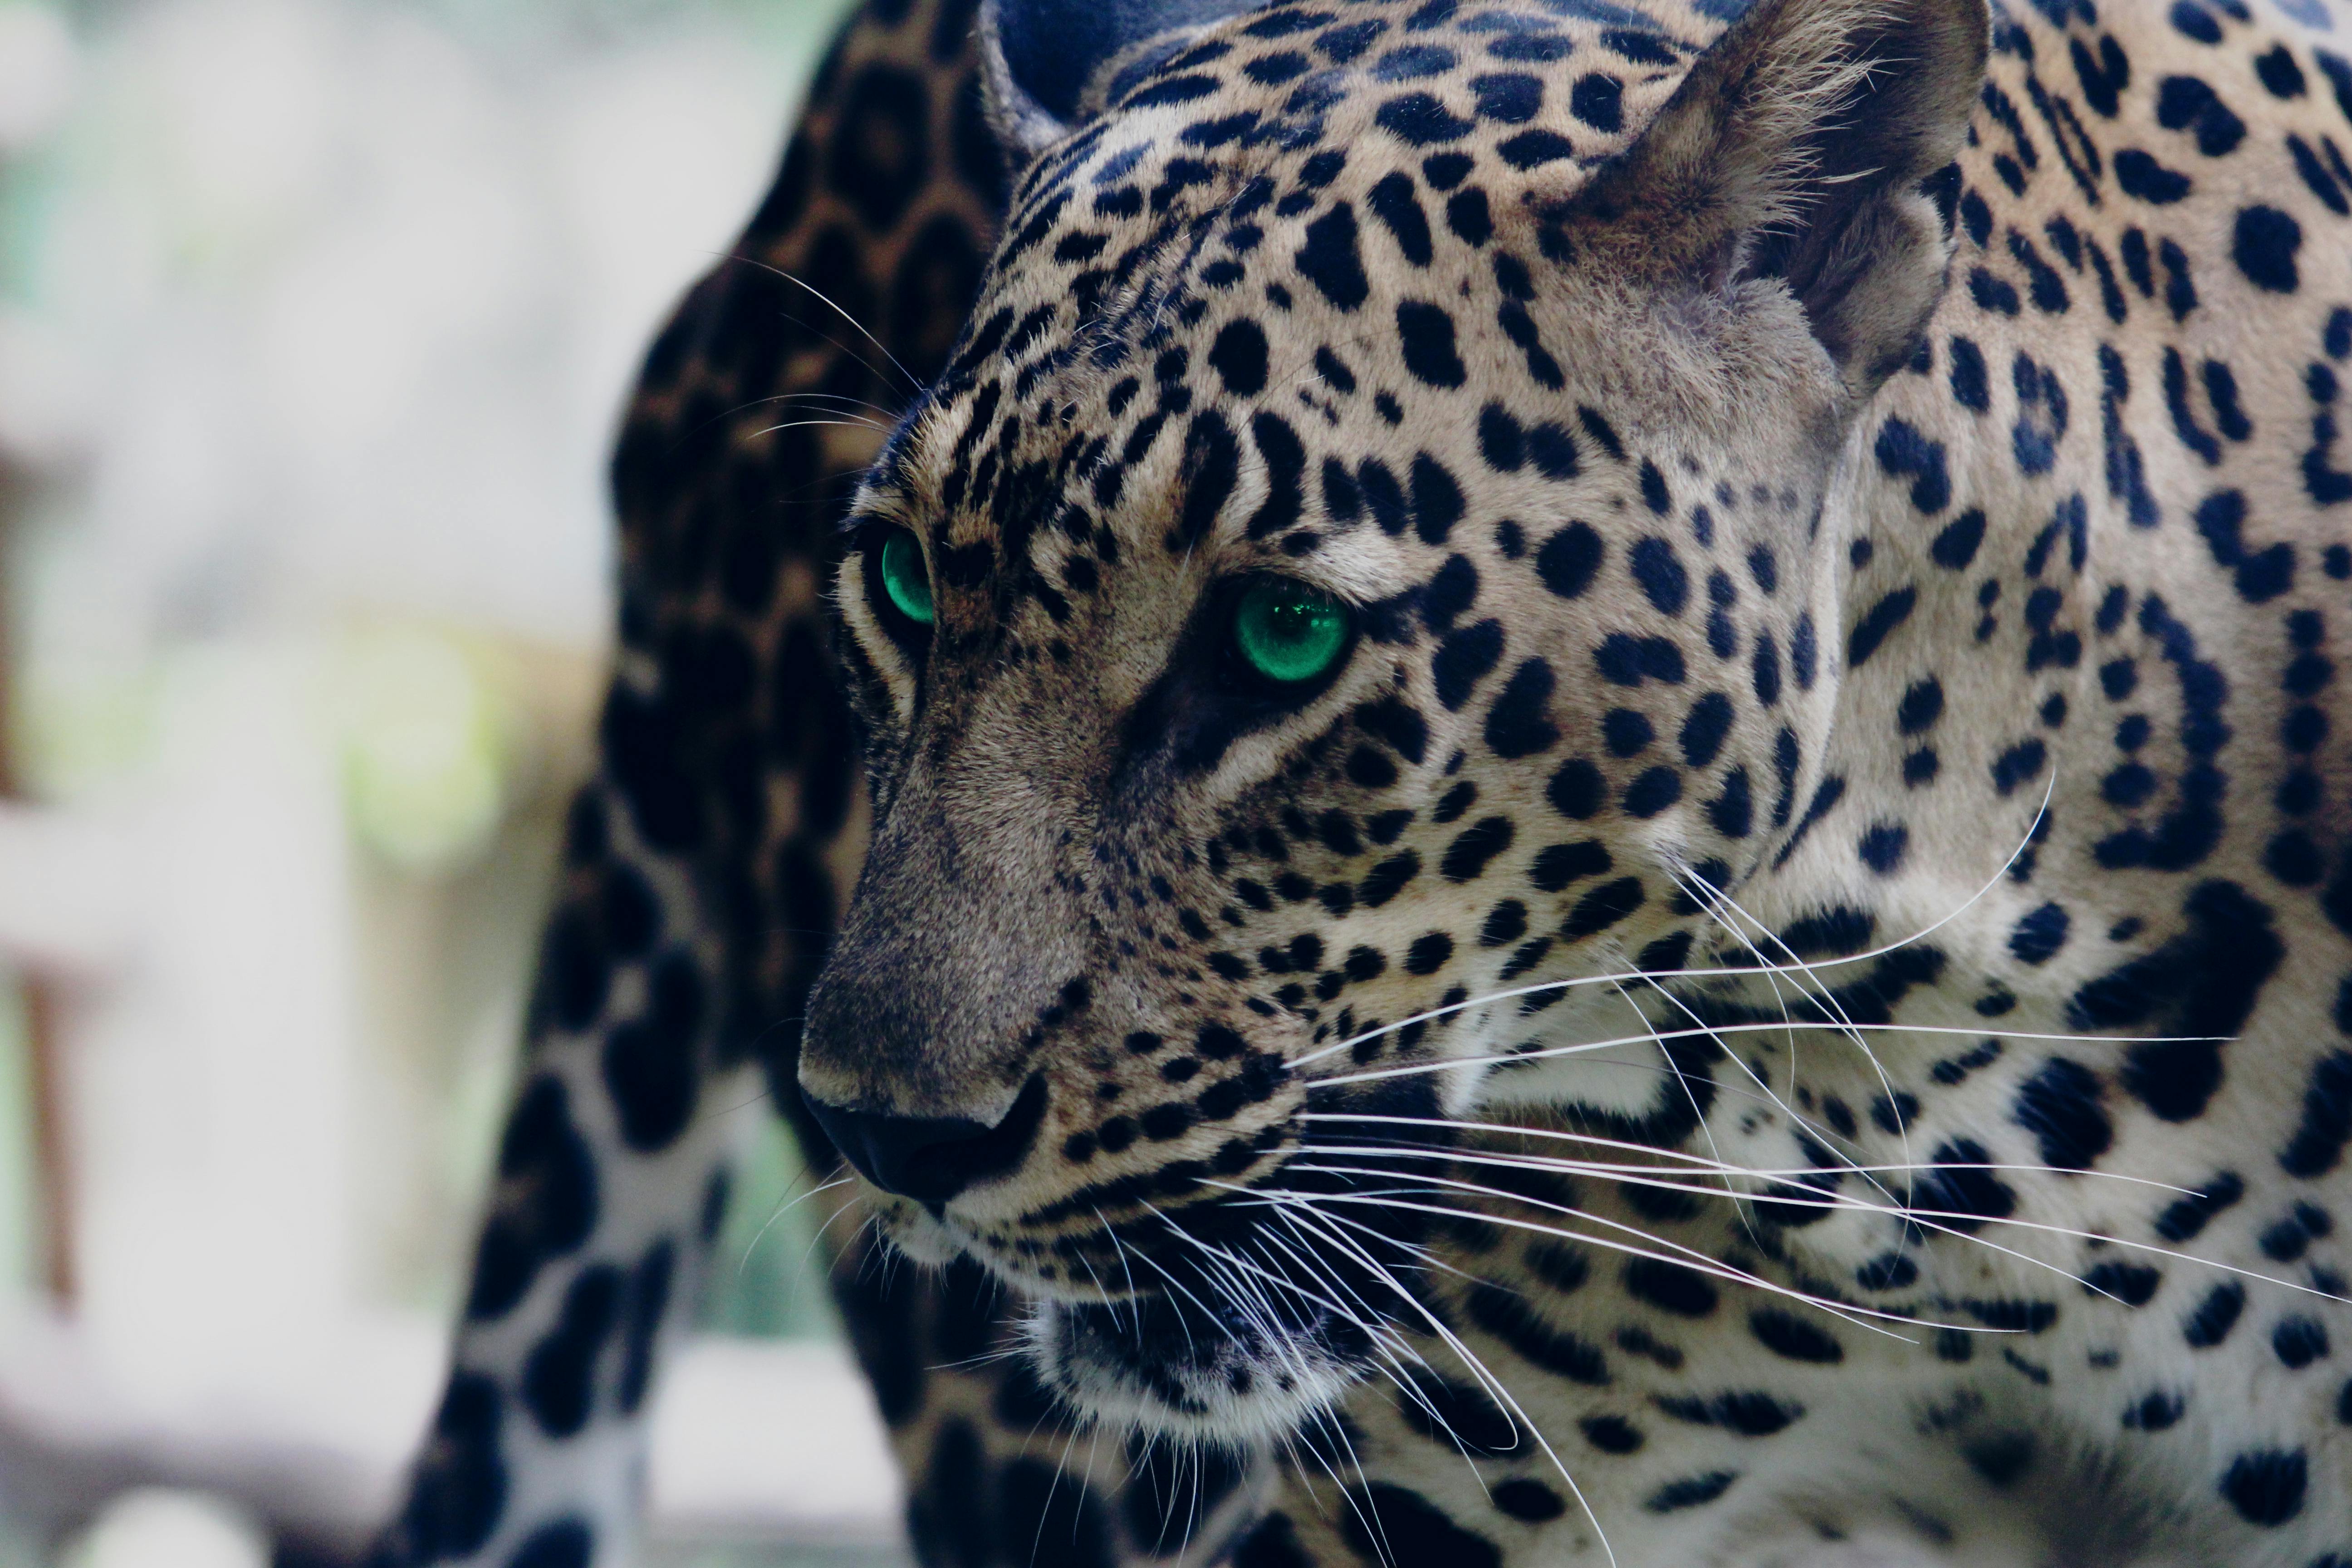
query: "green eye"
903, 579
1290, 632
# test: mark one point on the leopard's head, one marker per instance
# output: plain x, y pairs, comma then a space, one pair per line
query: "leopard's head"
1358, 587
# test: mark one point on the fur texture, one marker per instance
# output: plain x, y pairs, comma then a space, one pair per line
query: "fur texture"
1789, 999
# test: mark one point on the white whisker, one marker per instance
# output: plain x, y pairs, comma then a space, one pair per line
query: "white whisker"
804, 424
1493, 1385
913, 383
1821, 996
1715, 900
1685, 1257
1792, 1173
783, 1209
1542, 1053
1682, 1080
1956, 1224
1711, 974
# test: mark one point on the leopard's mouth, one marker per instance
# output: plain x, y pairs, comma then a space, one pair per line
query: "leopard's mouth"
1235, 1316
1221, 1371
1247, 1320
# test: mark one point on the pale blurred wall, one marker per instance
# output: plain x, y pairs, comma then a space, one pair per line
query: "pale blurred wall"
315, 319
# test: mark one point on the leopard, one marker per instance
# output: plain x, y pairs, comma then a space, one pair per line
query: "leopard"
1497, 782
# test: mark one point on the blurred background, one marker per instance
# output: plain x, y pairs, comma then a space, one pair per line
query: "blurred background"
316, 317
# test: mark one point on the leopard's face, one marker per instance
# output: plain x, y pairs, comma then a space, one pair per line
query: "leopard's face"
1344, 616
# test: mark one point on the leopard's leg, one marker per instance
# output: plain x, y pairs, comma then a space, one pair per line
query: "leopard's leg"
705, 863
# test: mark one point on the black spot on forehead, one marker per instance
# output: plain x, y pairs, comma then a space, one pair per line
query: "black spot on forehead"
1520, 724
1331, 261
1597, 99
1661, 574
1568, 562
1395, 204
2264, 244
1437, 500
1463, 659
1412, 61
1239, 357
1422, 118
1212, 468
1426, 335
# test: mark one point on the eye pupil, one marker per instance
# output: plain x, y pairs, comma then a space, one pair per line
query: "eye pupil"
1290, 632
903, 579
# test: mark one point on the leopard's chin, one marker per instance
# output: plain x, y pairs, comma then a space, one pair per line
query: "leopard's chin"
1214, 1375
1230, 1352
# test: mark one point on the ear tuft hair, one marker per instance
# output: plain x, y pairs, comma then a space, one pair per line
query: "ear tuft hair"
1805, 145
1040, 59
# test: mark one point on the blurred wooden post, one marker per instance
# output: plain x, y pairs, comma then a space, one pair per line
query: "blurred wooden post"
53, 1173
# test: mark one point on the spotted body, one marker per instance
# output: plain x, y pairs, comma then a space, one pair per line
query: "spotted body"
1604, 805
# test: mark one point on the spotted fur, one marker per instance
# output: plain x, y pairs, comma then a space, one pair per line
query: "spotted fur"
1789, 1000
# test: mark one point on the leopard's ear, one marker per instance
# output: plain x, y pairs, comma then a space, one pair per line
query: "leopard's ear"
1049, 65
1811, 143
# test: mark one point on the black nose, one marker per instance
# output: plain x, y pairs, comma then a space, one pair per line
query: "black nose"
932, 1158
